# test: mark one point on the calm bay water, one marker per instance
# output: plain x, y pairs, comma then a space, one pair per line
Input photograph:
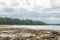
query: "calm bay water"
50, 27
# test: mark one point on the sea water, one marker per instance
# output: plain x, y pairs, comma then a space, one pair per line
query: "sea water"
50, 27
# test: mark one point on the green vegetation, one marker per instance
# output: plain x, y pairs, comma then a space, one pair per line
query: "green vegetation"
11, 21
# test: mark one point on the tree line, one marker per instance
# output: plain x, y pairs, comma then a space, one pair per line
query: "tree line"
11, 21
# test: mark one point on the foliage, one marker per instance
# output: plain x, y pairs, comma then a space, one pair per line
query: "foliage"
11, 21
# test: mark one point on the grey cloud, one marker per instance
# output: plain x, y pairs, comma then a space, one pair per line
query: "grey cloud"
30, 14
2, 4
8, 10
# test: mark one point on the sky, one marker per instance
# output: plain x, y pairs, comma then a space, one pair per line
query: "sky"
44, 10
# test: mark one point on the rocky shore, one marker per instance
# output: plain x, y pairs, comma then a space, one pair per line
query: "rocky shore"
28, 34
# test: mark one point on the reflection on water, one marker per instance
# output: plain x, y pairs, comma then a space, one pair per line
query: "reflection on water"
51, 27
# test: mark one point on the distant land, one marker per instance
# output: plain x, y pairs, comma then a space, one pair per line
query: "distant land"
16, 21
12, 21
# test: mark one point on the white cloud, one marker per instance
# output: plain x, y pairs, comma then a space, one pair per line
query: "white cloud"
55, 3
27, 3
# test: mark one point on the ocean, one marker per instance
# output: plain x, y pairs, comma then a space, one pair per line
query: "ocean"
47, 27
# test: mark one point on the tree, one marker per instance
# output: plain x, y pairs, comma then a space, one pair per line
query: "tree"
11, 21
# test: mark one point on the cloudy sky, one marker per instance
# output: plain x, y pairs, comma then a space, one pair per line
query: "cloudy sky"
45, 10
